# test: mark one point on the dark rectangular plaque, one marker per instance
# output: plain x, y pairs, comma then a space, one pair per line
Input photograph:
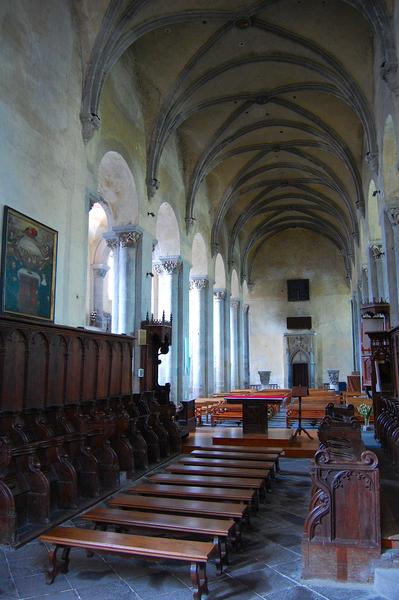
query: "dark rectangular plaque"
297, 290
299, 322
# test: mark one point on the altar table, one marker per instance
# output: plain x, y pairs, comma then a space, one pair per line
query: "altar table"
254, 408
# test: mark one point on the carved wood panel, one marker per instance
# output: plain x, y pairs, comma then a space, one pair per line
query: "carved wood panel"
48, 365
37, 371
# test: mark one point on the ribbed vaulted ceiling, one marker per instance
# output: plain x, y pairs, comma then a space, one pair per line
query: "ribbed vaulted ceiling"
271, 103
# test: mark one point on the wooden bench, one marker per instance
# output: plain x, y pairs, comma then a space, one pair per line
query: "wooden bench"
256, 484
228, 510
217, 471
214, 471
238, 455
65, 538
197, 492
220, 530
257, 449
226, 463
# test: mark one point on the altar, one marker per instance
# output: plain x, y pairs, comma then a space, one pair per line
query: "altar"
254, 408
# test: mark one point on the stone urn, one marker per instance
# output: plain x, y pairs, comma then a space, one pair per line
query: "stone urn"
264, 377
333, 376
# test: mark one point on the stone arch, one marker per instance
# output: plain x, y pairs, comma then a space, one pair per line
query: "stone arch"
117, 187
220, 272
235, 286
99, 265
199, 259
167, 232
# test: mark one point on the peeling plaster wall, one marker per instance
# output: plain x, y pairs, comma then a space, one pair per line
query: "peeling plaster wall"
42, 157
299, 254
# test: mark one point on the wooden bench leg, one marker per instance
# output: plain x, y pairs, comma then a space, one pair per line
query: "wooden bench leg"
53, 565
199, 580
65, 560
237, 535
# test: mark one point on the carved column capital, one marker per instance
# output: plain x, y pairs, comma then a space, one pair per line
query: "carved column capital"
389, 73
158, 267
393, 214
234, 303
129, 239
219, 294
171, 264
376, 250
90, 124
111, 240
372, 161
199, 283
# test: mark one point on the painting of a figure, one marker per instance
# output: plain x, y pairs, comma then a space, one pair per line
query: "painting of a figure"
28, 264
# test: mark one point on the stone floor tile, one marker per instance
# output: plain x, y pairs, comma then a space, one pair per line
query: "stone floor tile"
7, 589
27, 567
227, 588
344, 591
292, 569
285, 538
155, 585
264, 581
35, 585
68, 595
297, 592
108, 591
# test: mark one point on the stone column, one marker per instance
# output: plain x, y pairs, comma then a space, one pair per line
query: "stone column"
234, 341
365, 284
129, 237
245, 344
99, 273
199, 287
113, 244
170, 301
226, 342
219, 297
142, 293
392, 260
377, 274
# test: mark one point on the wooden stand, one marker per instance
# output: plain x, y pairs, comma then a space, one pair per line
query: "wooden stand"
298, 392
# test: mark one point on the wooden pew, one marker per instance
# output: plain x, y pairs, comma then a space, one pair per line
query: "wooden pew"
229, 510
237, 455
66, 538
219, 530
222, 463
256, 484
248, 496
257, 449
211, 471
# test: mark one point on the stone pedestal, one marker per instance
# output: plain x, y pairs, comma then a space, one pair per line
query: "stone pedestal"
333, 376
264, 377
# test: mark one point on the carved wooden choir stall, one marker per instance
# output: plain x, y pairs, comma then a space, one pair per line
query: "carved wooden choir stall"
69, 423
342, 535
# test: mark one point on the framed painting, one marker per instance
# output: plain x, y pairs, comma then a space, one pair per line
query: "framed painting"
28, 267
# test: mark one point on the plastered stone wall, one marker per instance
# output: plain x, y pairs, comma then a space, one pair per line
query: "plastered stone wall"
42, 156
299, 254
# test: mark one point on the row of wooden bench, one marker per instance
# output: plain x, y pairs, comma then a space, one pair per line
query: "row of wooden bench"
218, 485
313, 406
